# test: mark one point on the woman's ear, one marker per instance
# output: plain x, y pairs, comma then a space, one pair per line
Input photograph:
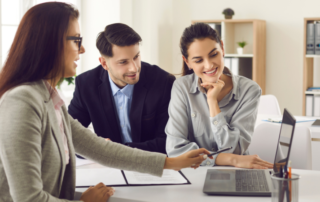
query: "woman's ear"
222, 47
186, 61
103, 63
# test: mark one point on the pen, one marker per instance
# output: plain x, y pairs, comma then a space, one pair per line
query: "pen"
290, 175
221, 150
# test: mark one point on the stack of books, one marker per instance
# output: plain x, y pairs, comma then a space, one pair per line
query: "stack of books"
313, 38
313, 101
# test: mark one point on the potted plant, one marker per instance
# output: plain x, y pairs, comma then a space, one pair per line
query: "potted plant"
69, 80
228, 13
241, 45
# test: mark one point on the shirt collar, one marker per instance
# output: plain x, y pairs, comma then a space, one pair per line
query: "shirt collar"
127, 90
195, 86
56, 99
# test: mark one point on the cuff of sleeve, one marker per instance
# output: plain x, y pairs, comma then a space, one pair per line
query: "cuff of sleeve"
209, 162
217, 122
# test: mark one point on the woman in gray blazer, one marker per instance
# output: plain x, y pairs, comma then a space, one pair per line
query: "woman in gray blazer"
210, 107
38, 139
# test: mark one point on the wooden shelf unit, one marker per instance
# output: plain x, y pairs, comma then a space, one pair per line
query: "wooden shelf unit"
307, 64
252, 31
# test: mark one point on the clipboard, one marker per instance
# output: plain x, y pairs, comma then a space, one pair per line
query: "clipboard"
133, 184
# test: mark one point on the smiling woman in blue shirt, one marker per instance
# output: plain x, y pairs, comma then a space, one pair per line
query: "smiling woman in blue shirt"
210, 107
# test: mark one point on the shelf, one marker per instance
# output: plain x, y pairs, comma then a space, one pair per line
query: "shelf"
239, 56
312, 92
308, 66
312, 56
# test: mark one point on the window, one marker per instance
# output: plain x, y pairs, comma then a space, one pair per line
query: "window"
11, 13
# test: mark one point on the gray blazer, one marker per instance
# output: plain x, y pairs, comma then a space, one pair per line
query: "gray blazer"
32, 159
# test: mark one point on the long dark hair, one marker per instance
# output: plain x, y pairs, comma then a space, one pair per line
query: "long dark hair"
191, 33
37, 51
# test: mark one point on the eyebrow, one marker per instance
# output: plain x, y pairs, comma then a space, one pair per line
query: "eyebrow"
197, 57
122, 60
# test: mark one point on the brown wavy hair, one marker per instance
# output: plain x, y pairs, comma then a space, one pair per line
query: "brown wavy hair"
190, 34
37, 51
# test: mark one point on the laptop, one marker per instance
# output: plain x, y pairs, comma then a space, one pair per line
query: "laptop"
251, 182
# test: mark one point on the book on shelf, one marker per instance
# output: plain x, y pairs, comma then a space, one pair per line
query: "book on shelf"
314, 89
309, 105
313, 38
310, 39
239, 66
317, 38
235, 66
312, 105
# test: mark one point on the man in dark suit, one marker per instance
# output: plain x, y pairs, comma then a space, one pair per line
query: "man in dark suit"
126, 100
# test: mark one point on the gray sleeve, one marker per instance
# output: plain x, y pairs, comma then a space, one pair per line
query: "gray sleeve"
240, 129
20, 148
177, 127
114, 155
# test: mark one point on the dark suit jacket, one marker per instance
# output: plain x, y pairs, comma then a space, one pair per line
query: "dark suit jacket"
93, 102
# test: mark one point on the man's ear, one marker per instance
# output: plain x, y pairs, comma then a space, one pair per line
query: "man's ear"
186, 61
103, 63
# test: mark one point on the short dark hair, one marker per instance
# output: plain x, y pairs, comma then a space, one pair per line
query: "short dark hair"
116, 34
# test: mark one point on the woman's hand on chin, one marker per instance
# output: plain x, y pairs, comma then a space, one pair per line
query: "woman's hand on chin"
251, 162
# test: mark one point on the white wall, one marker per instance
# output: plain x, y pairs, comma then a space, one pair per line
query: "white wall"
95, 16
155, 20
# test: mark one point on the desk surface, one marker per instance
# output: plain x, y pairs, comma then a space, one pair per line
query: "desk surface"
308, 189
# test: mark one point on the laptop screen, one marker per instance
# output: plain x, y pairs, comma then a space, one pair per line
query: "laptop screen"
286, 136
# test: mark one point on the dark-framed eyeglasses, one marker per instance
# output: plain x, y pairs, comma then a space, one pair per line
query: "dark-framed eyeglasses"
78, 40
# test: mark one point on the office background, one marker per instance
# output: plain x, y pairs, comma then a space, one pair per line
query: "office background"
161, 22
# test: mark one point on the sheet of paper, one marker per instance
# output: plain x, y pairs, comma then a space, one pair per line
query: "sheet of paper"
299, 119
93, 176
81, 162
168, 177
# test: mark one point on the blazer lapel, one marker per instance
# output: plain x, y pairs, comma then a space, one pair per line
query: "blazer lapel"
109, 108
57, 135
138, 98
71, 178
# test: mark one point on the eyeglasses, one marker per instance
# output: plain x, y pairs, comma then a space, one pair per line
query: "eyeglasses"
78, 40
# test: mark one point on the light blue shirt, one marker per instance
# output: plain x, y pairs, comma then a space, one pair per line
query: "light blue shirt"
123, 99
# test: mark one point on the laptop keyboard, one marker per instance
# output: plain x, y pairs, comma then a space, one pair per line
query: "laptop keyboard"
251, 180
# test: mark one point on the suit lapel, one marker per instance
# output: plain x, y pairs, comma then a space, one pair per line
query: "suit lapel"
109, 108
138, 99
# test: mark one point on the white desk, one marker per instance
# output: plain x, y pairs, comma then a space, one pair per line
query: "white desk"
315, 137
308, 189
